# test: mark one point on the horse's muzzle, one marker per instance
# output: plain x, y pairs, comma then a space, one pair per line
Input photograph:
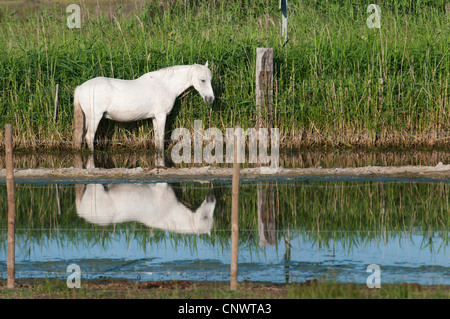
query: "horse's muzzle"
209, 99
210, 198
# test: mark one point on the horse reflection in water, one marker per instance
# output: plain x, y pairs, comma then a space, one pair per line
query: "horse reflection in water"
154, 205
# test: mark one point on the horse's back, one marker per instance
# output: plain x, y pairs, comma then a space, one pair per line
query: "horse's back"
124, 100
97, 86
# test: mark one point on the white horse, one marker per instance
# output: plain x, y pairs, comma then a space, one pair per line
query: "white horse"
154, 205
150, 96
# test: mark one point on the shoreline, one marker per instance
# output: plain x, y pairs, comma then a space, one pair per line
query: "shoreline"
51, 288
440, 171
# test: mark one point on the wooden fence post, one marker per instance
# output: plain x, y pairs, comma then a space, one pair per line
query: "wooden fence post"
10, 259
234, 217
58, 200
266, 214
264, 85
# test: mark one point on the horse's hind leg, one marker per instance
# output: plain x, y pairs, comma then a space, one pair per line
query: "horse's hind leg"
78, 161
91, 125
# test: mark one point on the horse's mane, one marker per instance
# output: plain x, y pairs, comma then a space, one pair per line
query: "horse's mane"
168, 72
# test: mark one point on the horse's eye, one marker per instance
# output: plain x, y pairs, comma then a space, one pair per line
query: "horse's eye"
203, 81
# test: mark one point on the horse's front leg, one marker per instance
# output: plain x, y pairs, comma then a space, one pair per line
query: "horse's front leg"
159, 124
90, 163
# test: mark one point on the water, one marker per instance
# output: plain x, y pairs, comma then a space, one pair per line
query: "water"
400, 260
288, 158
326, 229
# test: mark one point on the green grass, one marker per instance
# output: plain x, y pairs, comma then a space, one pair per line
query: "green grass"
336, 81
100, 289
332, 290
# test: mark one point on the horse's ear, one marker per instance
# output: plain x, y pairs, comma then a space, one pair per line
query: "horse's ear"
206, 64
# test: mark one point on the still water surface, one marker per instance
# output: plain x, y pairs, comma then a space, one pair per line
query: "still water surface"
290, 231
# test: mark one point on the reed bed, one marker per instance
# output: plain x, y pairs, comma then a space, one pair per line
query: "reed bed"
337, 82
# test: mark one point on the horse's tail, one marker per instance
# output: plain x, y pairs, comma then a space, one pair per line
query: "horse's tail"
79, 121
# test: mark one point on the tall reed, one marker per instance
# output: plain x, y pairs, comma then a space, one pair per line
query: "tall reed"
337, 82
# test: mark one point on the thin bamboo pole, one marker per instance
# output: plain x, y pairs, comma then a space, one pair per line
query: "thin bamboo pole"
234, 218
11, 206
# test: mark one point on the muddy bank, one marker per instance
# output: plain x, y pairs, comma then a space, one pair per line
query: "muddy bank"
440, 171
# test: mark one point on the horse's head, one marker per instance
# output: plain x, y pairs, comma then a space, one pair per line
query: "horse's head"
201, 80
204, 215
